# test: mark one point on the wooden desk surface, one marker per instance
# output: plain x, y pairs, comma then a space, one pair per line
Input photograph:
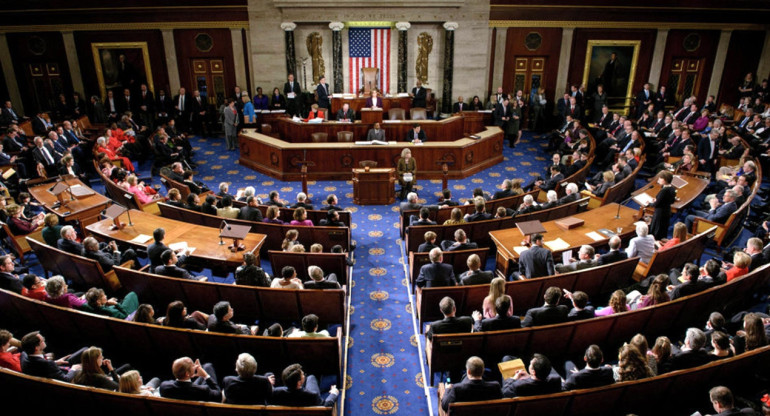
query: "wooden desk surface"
595, 219
78, 209
684, 195
204, 239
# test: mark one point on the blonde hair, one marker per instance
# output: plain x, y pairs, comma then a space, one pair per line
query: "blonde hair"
130, 382
741, 259
496, 289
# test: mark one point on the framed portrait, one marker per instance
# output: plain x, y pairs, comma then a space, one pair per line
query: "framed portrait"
612, 63
121, 65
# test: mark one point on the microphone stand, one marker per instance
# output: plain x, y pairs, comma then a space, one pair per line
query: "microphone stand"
222, 227
617, 216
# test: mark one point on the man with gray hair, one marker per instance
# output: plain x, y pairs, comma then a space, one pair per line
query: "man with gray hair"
692, 354
247, 388
615, 254
302, 202
109, 256
460, 243
571, 194
643, 245
436, 274
68, 241
585, 260
719, 212
529, 205
505, 190
318, 281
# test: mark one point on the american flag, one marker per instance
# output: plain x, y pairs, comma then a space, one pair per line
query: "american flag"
369, 48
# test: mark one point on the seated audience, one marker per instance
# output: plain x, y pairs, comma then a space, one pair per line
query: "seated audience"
302, 202
429, 244
249, 274
679, 236
692, 354
169, 268
535, 381
450, 324
612, 256
593, 375
643, 245
474, 275
632, 365
247, 388
220, 321
472, 388
288, 279
10, 357
35, 363
460, 243
271, 216
193, 381
97, 302
131, 383
550, 313
177, 317
110, 256
318, 281
299, 390
617, 304
502, 319
91, 372
34, 287
228, 210
585, 260
496, 291
57, 294
437, 273
309, 328
300, 218
580, 307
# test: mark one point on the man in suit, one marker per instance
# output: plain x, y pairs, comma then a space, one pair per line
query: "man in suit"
480, 214
375, 133
460, 243
415, 135
293, 92
505, 190
164, 107
501, 320
221, 321
429, 244
231, 122
182, 109
302, 202
574, 109
198, 113
127, 102
722, 399
571, 194
250, 212
68, 241
13, 142
41, 126
450, 324
34, 362
8, 115
45, 157
535, 381
662, 99
550, 313
644, 98
146, 106
169, 268
474, 275
502, 113
437, 273
708, 151
423, 219
614, 255
299, 390
247, 388
691, 285
419, 96
332, 219
546, 185
203, 388
345, 114
110, 256
459, 106
580, 307
537, 261
9, 280
111, 107
585, 260
472, 388
718, 213
754, 250
156, 249
319, 281
323, 92
692, 354
410, 204
593, 375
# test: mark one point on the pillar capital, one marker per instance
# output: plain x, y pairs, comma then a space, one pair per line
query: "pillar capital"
451, 25
403, 26
336, 26
288, 26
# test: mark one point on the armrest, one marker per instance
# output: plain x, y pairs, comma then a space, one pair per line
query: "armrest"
701, 224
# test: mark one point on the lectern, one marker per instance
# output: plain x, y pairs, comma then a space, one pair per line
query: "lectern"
374, 186
371, 116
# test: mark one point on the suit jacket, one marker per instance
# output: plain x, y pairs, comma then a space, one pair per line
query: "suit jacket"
173, 271
296, 90
342, 115
13, 145
456, 108
282, 396
376, 135
530, 386
436, 275
536, 262
420, 97
10, 282
578, 315
722, 213
250, 214
550, 184
545, 315
370, 103
38, 126
410, 135
471, 391
248, 391
426, 247
611, 257
70, 246
186, 390
568, 198
322, 90
164, 106
323, 284
449, 245
479, 216
39, 157
224, 327
704, 148
497, 323
184, 113
578, 265
451, 325
502, 194
107, 261
6, 117
589, 378
40, 367
498, 115
688, 359
476, 277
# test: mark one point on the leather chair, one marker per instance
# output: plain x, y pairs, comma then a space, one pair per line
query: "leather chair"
344, 136
367, 163
396, 114
319, 137
418, 113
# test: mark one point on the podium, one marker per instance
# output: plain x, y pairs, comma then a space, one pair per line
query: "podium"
371, 116
374, 186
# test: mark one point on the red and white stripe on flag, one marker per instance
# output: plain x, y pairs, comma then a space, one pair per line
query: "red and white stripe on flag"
369, 48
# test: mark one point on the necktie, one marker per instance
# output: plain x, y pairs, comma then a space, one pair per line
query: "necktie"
461, 106
181, 105
47, 156
12, 113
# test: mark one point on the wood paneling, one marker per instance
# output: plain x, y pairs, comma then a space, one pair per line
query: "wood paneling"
709, 40
154, 40
742, 57
549, 48
38, 50
221, 48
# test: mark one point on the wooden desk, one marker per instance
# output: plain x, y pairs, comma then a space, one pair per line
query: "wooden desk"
84, 210
357, 103
208, 251
684, 195
449, 129
375, 186
371, 116
595, 219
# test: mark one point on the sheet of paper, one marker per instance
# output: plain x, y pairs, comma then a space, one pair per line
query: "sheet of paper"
291, 95
643, 199
519, 249
566, 257
593, 235
182, 245
141, 239
391, 121
557, 245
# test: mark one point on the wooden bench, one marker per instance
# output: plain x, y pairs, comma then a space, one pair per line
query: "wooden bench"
19, 243
250, 303
328, 262
478, 231
84, 273
326, 236
158, 346
617, 192
676, 256
458, 259
526, 293
127, 198
654, 395
449, 351
21, 389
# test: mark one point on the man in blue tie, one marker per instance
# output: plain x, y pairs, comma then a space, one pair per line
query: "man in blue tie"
8, 115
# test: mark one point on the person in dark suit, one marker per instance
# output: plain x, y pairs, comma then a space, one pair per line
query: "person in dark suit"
374, 101
34, 363
537, 261
198, 113
474, 275
614, 255
332, 219
550, 313
593, 375
662, 203
571, 194
293, 93
419, 96
460, 243
302, 202
460, 106
41, 126
480, 214
247, 388
500, 321
8, 115
204, 388
472, 388
319, 281
535, 381
169, 268
505, 190
323, 92
718, 213
110, 257
644, 98
450, 324
300, 391
754, 250
13, 142
250, 212
164, 107
502, 114
580, 307
429, 244
722, 399
415, 135
691, 285
45, 157
221, 321
422, 219
182, 109
145, 106
436, 274
9, 280
156, 249
708, 152
692, 354
347, 115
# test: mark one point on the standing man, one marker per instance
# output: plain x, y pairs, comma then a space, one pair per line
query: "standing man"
419, 96
293, 93
146, 106
164, 107
198, 112
323, 93
231, 125
501, 115
644, 99
182, 107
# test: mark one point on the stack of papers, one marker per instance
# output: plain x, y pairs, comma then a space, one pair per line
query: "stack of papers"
593, 235
643, 199
141, 239
519, 249
557, 245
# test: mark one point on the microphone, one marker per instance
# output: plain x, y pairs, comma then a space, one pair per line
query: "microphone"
617, 216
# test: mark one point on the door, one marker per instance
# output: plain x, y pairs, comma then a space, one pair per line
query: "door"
528, 73
209, 78
685, 77
45, 84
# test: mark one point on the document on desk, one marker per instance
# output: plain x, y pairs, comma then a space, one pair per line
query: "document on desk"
519, 249
141, 239
678, 182
643, 199
181, 246
557, 245
392, 121
593, 235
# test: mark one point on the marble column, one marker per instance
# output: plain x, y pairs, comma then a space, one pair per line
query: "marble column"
449, 61
10, 75
171, 64
656, 67
499, 64
72, 61
291, 61
241, 80
719, 62
763, 68
564, 54
339, 81
402, 54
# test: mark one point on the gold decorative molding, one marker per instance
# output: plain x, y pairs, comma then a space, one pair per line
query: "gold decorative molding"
592, 24
90, 27
140, 8
636, 44
625, 7
369, 24
97, 47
